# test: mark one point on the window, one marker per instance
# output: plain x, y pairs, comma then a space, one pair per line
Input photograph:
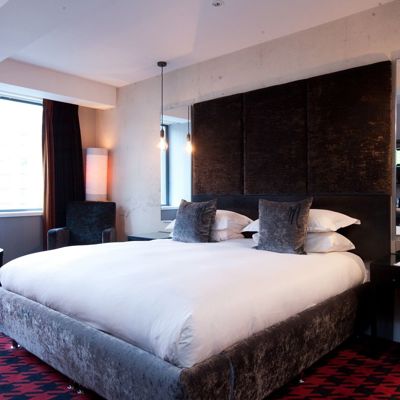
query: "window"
176, 164
21, 174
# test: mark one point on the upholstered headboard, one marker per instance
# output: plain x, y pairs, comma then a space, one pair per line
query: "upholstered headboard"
327, 136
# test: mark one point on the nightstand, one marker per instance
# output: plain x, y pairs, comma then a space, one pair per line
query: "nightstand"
149, 236
385, 279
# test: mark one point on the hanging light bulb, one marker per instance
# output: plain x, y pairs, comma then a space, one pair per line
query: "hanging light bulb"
189, 146
163, 144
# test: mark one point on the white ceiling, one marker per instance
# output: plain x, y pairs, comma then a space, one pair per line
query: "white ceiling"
119, 41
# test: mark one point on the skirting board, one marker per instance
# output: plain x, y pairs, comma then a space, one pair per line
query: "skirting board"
250, 369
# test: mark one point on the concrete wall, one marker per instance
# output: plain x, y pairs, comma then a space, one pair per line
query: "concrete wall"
87, 121
131, 130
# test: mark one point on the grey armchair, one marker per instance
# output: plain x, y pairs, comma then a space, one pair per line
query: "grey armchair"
87, 222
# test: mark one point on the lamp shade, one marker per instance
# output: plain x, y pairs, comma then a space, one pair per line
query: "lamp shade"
96, 173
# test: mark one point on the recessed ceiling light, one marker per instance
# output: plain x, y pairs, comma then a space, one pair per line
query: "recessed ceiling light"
217, 3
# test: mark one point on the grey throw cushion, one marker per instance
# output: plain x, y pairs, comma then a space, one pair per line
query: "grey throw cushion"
283, 225
194, 221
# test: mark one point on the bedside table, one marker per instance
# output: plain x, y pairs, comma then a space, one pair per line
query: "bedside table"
149, 236
385, 279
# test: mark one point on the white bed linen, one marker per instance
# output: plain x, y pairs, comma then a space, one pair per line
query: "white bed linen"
180, 301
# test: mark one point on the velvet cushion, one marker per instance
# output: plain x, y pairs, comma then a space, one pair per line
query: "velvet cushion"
194, 221
283, 225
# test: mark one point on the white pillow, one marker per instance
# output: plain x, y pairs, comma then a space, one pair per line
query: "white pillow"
322, 242
224, 219
252, 227
170, 227
318, 221
326, 242
225, 234
328, 221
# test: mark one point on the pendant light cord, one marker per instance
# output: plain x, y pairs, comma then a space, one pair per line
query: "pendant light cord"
188, 123
162, 97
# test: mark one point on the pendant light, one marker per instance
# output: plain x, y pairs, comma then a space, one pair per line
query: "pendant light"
189, 146
162, 145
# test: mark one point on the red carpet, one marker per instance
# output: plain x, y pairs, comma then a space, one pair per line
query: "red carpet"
347, 373
25, 377
350, 372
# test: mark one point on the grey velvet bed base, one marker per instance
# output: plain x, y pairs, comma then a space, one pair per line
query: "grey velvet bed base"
250, 369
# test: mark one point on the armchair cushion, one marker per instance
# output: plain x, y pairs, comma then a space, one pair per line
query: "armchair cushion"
88, 219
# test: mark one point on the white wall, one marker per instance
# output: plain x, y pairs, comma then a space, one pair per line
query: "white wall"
131, 130
30, 80
87, 122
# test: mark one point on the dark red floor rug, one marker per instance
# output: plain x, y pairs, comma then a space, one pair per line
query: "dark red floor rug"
25, 377
347, 373
350, 372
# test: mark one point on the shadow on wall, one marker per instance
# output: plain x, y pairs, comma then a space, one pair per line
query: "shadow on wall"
20, 236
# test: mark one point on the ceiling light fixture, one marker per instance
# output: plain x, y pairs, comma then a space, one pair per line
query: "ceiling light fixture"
163, 145
217, 3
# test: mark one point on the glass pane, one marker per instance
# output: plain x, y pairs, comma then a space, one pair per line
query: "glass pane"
21, 174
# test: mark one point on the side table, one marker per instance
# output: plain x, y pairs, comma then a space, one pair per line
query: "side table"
385, 279
149, 236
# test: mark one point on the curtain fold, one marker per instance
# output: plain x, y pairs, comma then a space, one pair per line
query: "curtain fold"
62, 161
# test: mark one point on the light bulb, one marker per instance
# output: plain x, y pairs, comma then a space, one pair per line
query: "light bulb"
162, 144
189, 147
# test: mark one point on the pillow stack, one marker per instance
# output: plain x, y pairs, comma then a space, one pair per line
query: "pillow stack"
321, 231
201, 222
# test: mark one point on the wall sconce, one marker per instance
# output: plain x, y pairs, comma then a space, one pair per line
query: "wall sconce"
163, 144
96, 173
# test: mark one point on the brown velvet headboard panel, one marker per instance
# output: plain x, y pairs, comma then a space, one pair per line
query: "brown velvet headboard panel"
275, 144
349, 121
371, 238
218, 144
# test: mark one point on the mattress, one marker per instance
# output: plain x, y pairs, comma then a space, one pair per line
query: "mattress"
180, 301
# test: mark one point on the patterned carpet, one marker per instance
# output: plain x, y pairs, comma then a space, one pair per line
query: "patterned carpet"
348, 373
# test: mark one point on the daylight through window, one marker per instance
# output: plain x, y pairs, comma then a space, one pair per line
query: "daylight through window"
21, 175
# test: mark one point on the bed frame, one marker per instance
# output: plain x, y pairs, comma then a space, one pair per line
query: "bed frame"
250, 369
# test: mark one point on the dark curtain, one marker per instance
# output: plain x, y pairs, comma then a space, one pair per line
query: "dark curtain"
62, 161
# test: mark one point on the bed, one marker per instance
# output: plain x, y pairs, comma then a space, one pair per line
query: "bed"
102, 356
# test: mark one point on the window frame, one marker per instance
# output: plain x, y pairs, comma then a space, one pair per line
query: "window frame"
166, 168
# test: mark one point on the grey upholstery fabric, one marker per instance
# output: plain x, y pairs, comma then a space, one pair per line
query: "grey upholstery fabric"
88, 222
250, 369
255, 367
283, 225
194, 221
109, 366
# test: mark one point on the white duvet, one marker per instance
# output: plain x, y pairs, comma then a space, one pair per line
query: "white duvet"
180, 301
